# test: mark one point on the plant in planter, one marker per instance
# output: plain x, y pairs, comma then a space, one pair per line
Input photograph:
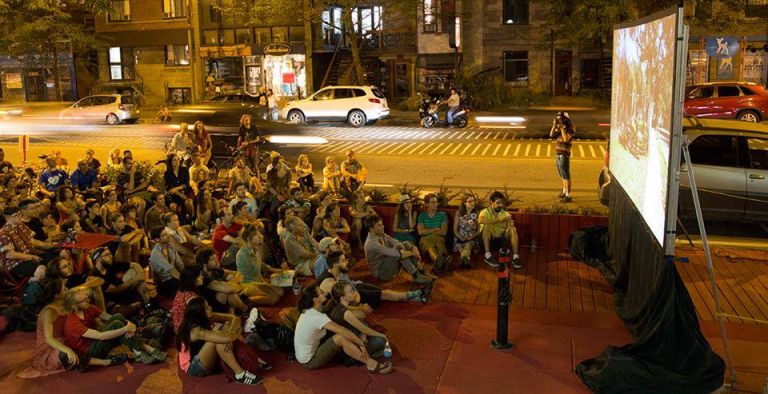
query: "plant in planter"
445, 195
412, 192
145, 168
378, 197
509, 198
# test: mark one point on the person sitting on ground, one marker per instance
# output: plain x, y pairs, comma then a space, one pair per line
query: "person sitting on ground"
132, 187
226, 237
314, 348
198, 172
344, 297
297, 203
163, 115
331, 176
51, 178
124, 283
404, 221
498, 230
110, 207
433, 228
5, 165
300, 248
336, 226
115, 158
92, 221
176, 178
128, 245
201, 344
359, 210
181, 239
93, 333
154, 215
221, 288
323, 200
241, 194
19, 253
304, 175
241, 214
240, 173
466, 229
165, 263
353, 172
85, 180
386, 255
325, 246
92, 162
190, 284
250, 264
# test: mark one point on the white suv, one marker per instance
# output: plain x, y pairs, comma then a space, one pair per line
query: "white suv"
110, 108
356, 105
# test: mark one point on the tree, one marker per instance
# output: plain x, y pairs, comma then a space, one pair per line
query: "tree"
43, 26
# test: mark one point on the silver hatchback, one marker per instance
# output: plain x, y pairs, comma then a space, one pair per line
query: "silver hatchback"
109, 108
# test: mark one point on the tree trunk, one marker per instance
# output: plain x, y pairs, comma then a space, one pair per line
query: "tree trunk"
353, 42
56, 84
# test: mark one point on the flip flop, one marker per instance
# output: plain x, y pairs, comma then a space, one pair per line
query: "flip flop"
381, 368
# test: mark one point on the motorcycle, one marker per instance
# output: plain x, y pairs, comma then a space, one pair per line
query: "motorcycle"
429, 113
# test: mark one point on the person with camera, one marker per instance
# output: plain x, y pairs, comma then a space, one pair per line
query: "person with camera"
564, 130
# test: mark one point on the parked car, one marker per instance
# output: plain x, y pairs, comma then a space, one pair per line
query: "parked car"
730, 163
356, 105
736, 100
221, 110
110, 108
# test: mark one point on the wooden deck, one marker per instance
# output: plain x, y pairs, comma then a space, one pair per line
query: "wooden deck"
553, 281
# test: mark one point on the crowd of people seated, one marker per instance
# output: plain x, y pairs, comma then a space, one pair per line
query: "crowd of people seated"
94, 251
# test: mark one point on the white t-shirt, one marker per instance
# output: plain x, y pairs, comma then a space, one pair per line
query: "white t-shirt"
309, 333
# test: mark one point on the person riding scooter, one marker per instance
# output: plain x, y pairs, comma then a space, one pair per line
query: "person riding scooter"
454, 101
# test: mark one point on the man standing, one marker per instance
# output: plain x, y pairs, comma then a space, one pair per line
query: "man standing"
565, 131
433, 227
498, 230
453, 105
385, 255
353, 172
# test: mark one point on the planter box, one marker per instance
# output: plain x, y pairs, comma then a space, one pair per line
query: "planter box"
544, 230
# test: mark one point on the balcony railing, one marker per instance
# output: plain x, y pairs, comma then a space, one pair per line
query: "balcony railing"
389, 40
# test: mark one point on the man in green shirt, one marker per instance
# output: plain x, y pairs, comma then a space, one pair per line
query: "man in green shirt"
498, 230
432, 226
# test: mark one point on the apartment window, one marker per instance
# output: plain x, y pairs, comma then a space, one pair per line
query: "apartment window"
516, 68
174, 9
121, 63
211, 37
331, 25
431, 9
756, 8
515, 12
227, 36
177, 55
367, 19
120, 10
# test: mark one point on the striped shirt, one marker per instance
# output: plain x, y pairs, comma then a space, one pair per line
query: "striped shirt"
432, 222
563, 147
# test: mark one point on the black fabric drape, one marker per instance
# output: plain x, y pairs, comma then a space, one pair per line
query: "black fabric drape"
670, 354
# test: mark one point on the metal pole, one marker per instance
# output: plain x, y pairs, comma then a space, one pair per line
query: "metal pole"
710, 265
502, 342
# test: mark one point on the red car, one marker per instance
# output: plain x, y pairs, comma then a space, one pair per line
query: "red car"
740, 100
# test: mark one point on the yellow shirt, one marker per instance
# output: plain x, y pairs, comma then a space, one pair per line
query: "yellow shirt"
497, 229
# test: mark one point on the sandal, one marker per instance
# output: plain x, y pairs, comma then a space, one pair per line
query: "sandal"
381, 368
117, 359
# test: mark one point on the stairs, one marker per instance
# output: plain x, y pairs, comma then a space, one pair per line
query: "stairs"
341, 71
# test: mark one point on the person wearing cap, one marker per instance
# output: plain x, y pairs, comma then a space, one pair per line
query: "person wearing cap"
326, 245
565, 131
404, 221
124, 283
353, 172
386, 255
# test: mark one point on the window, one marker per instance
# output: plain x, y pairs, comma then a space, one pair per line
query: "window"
430, 15
747, 91
121, 63
86, 102
177, 55
715, 150
758, 153
262, 35
120, 10
214, 15
280, 34
297, 33
326, 94
704, 92
756, 8
211, 37
703, 9
367, 19
516, 68
174, 9
331, 25
358, 92
728, 91
515, 12
227, 36
590, 73
242, 36
342, 94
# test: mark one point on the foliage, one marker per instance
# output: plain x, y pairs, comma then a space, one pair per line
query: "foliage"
563, 209
489, 92
378, 197
445, 195
412, 192
145, 168
412, 103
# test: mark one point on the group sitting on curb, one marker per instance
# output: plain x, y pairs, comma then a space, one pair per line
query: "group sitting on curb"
95, 255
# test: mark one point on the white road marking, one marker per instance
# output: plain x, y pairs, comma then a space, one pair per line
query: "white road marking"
436, 148
446, 148
592, 151
465, 149
455, 149
425, 148
495, 151
602, 150
581, 150
549, 150
538, 150
486, 150
527, 149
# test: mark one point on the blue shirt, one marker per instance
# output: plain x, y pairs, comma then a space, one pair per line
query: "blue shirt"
52, 179
321, 265
83, 182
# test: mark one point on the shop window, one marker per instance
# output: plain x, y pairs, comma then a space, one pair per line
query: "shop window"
515, 12
296, 33
242, 36
174, 9
516, 68
262, 35
590, 73
121, 63
756, 9
367, 19
211, 37
698, 65
177, 55
280, 34
120, 10
178, 96
431, 9
227, 36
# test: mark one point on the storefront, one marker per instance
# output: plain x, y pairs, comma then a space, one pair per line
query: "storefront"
280, 67
436, 73
727, 58
224, 69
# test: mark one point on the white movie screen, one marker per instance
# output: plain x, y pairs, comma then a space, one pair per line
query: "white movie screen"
641, 115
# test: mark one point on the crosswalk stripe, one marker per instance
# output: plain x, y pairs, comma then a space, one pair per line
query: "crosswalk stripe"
446, 148
465, 149
581, 150
454, 134
495, 151
344, 146
436, 148
364, 147
514, 135
592, 151
416, 147
383, 147
509, 146
602, 150
462, 135
487, 136
400, 146
497, 135
486, 150
357, 145
426, 147
538, 150
475, 150
455, 149
549, 150
527, 149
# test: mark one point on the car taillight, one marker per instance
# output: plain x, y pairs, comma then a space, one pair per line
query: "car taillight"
121, 107
375, 101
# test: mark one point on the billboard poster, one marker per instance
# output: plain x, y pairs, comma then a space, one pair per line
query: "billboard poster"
753, 67
724, 68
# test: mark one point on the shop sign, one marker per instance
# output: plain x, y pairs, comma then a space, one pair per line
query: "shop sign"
277, 49
12, 80
753, 67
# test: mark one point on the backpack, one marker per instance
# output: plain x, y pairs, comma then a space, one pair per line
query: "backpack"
268, 336
20, 317
157, 325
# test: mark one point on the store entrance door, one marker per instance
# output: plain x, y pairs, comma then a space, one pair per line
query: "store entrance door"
401, 80
35, 86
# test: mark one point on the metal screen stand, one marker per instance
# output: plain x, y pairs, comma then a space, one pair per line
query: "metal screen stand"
710, 265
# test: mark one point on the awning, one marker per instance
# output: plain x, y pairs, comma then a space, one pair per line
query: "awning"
145, 38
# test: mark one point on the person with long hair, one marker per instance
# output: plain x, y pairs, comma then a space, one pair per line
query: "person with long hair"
110, 207
331, 176
115, 158
207, 207
67, 204
190, 282
404, 221
278, 182
250, 264
304, 174
344, 298
176, 178
466, 229
203, 142
201, 344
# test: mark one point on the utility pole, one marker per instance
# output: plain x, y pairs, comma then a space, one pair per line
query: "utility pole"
193, 44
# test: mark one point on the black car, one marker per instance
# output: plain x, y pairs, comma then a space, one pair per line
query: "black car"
221, 110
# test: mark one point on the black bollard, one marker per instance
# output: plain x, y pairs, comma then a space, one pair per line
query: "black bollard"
501, 342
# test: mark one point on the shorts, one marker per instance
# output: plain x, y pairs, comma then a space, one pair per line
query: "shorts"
323, 355
196, 368
498, 243
563, 163
369, 294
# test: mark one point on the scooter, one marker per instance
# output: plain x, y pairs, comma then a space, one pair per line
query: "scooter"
429, 113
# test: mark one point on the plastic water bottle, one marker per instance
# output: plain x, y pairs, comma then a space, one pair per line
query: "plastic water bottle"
387, 351
72, 235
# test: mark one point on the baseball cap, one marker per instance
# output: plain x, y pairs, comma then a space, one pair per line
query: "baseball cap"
326, 242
